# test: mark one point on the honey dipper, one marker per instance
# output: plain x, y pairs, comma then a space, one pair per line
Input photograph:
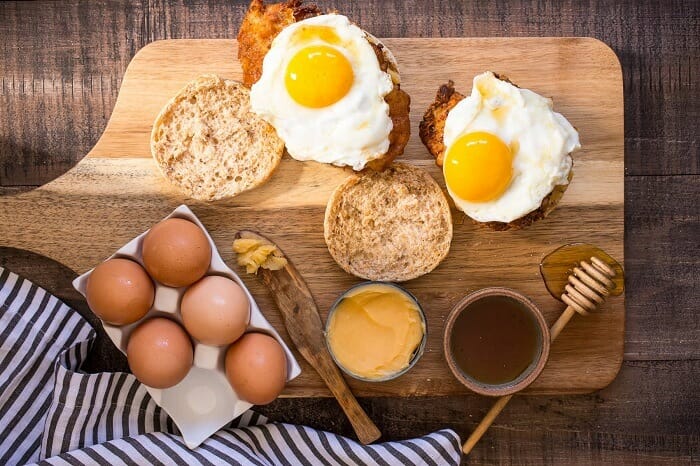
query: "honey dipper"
588, 286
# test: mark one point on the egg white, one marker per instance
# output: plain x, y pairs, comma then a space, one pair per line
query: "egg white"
350, 132
540, 140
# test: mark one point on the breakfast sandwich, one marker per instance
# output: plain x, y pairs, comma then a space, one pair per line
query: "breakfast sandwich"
505, 154
394, 225
331, 90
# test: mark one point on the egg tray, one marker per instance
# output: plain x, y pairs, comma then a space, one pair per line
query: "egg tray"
204, 401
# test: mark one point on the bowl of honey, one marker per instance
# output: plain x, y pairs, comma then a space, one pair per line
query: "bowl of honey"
496, 341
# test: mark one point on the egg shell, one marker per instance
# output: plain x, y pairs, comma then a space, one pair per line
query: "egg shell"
176, 252
256, 368
159, 353
215, 310
120, 291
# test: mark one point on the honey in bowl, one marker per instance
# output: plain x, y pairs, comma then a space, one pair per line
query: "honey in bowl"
497, 339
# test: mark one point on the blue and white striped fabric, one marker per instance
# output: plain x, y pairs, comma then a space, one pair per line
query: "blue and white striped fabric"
53, 414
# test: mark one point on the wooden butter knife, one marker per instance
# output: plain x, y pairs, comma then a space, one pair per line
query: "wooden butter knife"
304, 326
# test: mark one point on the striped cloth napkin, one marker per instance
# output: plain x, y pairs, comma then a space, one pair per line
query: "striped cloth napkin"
53, 414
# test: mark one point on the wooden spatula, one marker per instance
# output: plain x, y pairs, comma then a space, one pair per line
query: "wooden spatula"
303, 322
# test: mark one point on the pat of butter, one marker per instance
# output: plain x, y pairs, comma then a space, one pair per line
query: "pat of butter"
254, 253
375, 330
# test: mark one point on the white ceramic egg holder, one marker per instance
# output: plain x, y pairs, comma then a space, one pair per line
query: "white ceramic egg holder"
203, 402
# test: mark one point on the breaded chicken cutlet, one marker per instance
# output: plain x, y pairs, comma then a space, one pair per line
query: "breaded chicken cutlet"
261, 25
432, 127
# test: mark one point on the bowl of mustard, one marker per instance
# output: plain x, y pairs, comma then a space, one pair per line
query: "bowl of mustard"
376, 331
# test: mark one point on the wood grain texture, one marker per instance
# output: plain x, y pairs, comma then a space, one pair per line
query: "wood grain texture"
650, 413
118, 184
662, 254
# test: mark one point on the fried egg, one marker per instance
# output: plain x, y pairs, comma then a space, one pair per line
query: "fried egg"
323, 91
506, 150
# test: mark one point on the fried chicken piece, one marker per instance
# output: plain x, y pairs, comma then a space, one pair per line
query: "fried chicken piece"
432, 127
260, 26
399, 108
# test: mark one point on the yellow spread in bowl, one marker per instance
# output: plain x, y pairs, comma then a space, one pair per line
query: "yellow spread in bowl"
374, 330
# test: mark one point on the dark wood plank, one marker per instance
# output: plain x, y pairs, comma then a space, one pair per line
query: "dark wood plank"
62, 64
662, 258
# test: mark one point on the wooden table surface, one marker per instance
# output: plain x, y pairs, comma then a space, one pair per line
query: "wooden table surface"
62, 63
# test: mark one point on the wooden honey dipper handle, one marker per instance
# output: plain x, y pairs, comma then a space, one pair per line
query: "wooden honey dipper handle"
589, 285
485, 423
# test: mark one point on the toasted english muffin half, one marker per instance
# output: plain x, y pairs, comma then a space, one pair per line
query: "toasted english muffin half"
261, 25
432, 131
208, 143
394, 225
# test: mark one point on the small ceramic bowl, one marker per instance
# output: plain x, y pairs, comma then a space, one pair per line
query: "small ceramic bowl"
416, 354
529, 374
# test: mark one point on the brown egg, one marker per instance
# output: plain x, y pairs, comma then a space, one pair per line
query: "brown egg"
256, 368
215, 310
159, 353
176, 252
119, 291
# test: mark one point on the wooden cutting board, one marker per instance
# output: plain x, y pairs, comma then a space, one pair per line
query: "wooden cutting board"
116, 192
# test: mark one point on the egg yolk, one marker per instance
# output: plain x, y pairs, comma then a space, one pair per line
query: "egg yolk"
318, 76
478, 167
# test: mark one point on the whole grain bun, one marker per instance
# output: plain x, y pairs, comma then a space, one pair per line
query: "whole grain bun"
432, 130
393, 225
209, 144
